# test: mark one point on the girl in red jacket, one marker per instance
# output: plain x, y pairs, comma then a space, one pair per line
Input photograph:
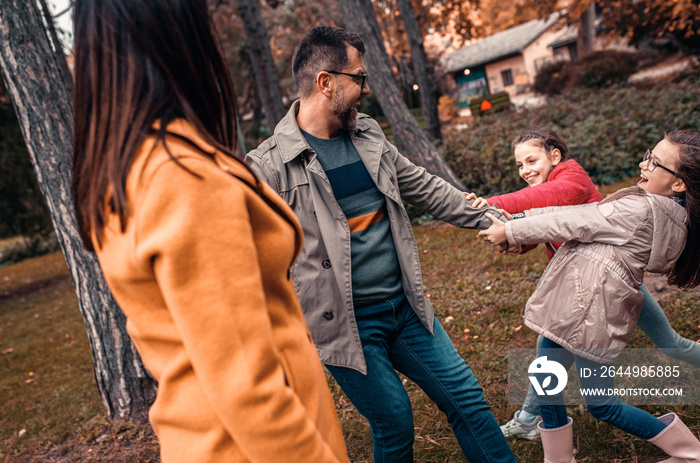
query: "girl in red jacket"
554, 179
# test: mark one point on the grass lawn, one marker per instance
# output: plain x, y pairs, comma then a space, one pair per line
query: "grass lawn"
50, 410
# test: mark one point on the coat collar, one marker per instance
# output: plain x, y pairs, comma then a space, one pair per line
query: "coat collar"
291, 143
182, 128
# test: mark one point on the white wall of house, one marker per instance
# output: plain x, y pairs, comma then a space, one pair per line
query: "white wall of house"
496, 70
538, 52
523, 68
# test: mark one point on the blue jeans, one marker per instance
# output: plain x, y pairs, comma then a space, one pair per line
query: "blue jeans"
655, 325
393, 338
653, 321
609, 409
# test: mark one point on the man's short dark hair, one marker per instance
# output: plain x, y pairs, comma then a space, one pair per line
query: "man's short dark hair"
323, 48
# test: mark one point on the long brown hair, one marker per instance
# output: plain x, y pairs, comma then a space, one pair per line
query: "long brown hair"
138, 62
686, 271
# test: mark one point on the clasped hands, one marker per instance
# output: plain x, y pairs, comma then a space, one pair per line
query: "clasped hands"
496, 233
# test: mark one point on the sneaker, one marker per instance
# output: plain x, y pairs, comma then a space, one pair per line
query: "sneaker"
521, 430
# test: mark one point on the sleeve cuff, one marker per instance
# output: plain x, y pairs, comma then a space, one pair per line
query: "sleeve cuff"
509, 233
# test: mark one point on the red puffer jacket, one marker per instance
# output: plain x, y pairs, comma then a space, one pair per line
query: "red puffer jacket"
567, 185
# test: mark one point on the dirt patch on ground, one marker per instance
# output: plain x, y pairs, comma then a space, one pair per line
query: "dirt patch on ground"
118, 443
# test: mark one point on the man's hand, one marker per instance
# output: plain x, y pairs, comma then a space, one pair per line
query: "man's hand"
496, 233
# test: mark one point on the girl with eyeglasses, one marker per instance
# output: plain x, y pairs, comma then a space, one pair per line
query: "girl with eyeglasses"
555, 179
588, 300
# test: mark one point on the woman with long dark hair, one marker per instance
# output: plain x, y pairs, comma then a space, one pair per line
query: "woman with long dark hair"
195, 249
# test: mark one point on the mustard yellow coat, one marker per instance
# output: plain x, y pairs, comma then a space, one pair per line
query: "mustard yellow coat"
202, 274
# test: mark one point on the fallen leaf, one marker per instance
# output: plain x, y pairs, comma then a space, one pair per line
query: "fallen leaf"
9, 350
467, 330
448, 319
21, 432
517, 328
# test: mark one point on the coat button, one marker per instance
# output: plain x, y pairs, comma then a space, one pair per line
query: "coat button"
326, 263
328, 315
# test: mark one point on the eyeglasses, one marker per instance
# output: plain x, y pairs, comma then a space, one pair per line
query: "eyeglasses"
362, 76
652, 163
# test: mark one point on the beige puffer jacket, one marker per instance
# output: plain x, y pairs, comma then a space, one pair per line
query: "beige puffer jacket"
588, 298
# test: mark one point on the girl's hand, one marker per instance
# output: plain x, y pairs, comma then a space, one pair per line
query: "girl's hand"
506, 214
496, 233
514, 250
478, 202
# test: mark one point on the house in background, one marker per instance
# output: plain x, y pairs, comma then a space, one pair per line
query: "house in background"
507, 61
564, 47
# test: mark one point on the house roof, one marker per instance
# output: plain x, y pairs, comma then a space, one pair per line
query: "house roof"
500, 45
570, 35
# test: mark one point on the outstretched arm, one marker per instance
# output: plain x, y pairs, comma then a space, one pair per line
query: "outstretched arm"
569, 186
435, 196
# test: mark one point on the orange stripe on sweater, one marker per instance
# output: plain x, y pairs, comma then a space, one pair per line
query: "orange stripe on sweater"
364, 221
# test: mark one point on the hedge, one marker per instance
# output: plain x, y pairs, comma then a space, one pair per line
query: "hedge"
606, 130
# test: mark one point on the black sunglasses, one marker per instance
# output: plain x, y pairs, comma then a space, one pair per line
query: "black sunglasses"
652, 163
362, 76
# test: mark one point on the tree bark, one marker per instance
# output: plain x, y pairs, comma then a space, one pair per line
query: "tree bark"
31, 69
586, 32
263, 64
428, 95
408, 135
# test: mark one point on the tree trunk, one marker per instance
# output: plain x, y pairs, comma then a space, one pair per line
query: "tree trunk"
428, 96
62, 63
586, 32
407, 134
39, 90
263, 64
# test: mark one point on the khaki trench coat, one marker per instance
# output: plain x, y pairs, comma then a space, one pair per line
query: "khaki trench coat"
322, 273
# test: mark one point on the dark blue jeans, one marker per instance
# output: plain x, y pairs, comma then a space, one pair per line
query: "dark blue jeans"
609, 409
393, 339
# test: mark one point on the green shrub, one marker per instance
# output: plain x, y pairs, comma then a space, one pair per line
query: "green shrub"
604, 68
607, 131
22, 207
548, 81
599, 70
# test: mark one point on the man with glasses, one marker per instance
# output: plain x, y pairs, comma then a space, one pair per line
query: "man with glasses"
358, 275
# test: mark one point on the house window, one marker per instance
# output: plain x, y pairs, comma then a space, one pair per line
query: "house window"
507, 77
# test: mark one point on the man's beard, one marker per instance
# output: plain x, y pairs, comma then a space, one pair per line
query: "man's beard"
343, 111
